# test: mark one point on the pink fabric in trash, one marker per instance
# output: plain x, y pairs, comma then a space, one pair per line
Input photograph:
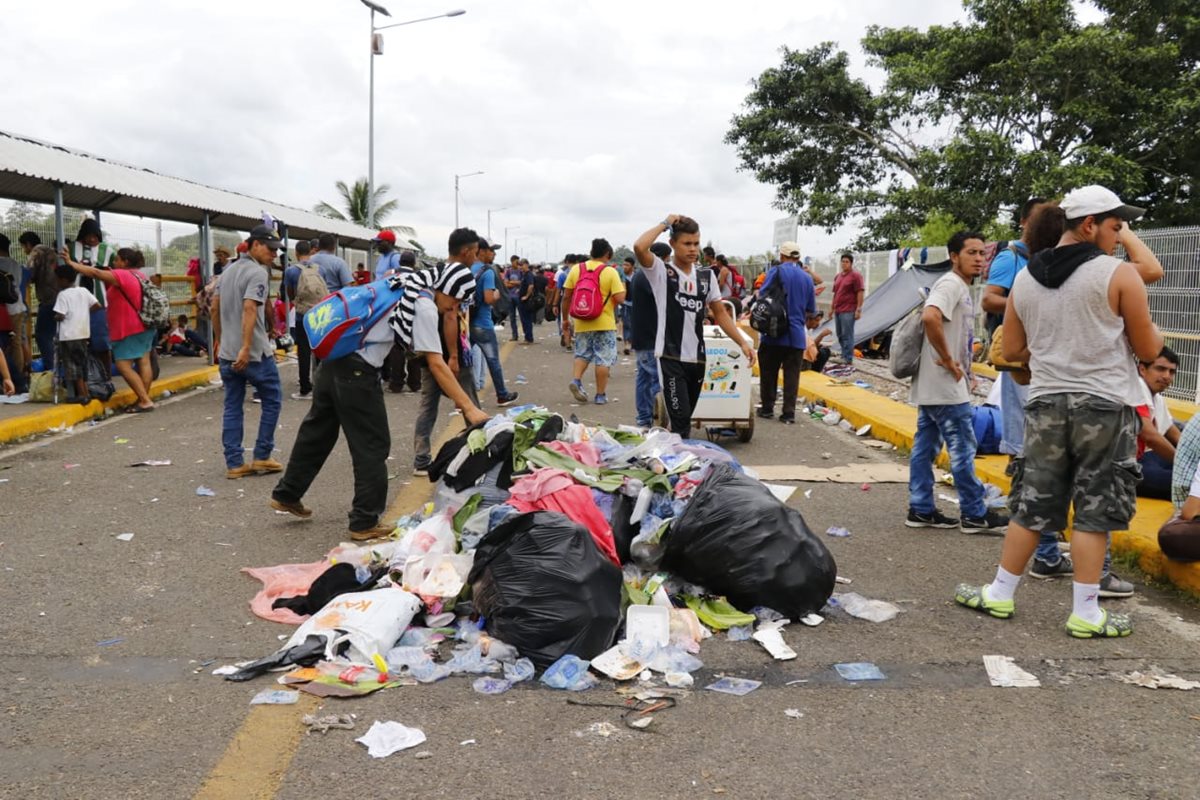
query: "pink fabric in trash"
585, 453
556, 490
285, 580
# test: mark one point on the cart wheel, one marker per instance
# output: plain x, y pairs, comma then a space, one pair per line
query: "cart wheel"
747, 433
660, 412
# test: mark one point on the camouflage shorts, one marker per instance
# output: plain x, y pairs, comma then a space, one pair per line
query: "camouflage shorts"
1080, 450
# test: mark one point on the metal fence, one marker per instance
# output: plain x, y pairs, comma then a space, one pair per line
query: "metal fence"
1174, 301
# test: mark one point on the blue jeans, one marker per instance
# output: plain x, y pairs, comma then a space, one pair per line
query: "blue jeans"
264, 376
1013, 397
44, 329
646, 386
512, 315
954, 424
485, 338
526, 321
844, 321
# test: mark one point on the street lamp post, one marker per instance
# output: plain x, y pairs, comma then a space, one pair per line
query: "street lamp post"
489, 220
456, 177
377, 50
506, 230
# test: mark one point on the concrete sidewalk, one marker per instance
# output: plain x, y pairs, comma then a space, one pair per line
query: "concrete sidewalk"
896, 422
30, 419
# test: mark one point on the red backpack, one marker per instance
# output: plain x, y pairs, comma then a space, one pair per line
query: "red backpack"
587, 301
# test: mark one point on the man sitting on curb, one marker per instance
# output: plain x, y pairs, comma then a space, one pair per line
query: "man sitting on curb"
1179, 539
1159, 434
942, 394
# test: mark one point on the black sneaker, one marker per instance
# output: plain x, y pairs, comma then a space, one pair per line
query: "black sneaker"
935, 520
787, 419
1063, 568
1112, 586
990, 524
764, 414
507, 400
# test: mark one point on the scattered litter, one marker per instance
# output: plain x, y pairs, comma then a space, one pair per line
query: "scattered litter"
228, 669
735, 686
4, 480
71, 466
771, 638
166, 462
838, 531
465, 742
120, 441
866, 487
601, 729
840, 579
794, 713
385, 738
826, 456
679, 680
1159, 680
740, 633
796, 682
521, 380
569, 672
948, 498
782, 493
850, 473
856, 605
1002, 671
275, 697
124, 537
808, 494
860, 671
616, 665
326, 723
204, 491
109, 642
487, 685
812, 620
424, 754
223, 544
864, 430
878, 445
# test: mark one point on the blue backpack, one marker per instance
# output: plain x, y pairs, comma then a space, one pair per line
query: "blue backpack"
989, 429
337, 325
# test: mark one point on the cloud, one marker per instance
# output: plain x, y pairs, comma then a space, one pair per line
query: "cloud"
589, 118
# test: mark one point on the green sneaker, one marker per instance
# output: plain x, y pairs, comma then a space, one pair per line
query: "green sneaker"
1112, 626
974, 597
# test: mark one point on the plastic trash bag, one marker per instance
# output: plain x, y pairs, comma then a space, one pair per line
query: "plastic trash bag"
736, 539
569, 673
545, 588
434, 536
360, 623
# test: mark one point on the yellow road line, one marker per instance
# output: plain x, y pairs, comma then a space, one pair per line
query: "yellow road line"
257, 759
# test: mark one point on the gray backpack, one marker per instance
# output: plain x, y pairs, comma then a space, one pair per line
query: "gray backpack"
907, 340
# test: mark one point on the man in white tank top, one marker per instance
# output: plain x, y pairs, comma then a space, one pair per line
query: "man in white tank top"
1078, 317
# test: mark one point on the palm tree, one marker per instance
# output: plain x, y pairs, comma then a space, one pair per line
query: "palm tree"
354, 201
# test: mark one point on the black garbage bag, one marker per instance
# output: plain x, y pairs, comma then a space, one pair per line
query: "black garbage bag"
736, 539
623, 530
543, 586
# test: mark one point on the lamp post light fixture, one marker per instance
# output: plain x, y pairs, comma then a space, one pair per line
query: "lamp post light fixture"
456, 178
377, 50
506, 230
489, 220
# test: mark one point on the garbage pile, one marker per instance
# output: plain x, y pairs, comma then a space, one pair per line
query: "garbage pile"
556, 548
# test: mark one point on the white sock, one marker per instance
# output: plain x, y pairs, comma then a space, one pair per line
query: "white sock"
1004, 586
1087, 602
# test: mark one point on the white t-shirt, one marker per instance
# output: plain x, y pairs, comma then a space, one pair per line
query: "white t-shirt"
934, 385
682, 303
427, 333
75, 304
1163, 421
377, 343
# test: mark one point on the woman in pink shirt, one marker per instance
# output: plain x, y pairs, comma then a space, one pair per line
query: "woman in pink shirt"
130, 339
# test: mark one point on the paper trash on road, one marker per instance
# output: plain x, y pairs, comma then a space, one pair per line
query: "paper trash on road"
772, 639
782, 493
616, 665
860, 671
275, 697
1003, 672
385, 738
162, 462
125, 537
856, 605
1159, 680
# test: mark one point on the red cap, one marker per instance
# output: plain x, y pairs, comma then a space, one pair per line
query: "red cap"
385, 236
243, 247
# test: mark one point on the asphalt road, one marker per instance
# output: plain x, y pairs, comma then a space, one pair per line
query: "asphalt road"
89, 717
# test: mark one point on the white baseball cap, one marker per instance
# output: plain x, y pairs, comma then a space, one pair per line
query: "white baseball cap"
789, 249
1091, 200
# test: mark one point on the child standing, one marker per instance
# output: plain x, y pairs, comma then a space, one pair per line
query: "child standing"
72, 309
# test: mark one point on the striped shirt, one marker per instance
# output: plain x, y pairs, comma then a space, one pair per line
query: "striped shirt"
102, 256
681, 301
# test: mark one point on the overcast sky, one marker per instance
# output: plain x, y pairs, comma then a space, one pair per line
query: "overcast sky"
588, 118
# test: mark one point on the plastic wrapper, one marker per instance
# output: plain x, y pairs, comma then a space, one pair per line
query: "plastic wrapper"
738, 540
545, 588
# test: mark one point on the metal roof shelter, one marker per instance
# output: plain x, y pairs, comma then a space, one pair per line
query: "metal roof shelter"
42, 172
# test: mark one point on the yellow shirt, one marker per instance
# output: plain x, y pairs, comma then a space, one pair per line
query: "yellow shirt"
610, 286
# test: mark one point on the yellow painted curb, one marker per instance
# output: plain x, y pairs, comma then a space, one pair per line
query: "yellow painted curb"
49, 417
896, 423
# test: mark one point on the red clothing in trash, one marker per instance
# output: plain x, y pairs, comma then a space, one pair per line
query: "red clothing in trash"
556, 490
585, 453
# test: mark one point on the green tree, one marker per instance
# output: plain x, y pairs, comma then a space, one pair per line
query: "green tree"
354, 205
972, 118
621, 253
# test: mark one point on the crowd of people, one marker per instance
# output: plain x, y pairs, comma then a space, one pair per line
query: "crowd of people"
1082, 366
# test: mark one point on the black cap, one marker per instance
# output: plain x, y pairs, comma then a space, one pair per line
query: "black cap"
483, 245
265, 234
408, 258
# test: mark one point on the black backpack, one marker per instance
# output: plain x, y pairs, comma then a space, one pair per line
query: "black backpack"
769, 315
9, 291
